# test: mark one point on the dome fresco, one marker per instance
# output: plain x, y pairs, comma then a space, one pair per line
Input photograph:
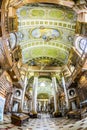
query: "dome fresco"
46, 32
45, 86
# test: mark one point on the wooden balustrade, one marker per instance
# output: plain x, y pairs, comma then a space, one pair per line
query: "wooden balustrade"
16, 3
19, 3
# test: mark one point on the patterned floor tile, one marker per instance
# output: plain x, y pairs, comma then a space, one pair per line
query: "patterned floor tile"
46, 123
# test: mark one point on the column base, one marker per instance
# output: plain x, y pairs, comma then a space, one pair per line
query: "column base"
57, 114
33, 114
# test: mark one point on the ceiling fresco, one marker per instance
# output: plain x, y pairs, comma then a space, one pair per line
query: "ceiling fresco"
46, 33
45, 87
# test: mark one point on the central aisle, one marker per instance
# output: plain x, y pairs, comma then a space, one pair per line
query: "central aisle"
46, 123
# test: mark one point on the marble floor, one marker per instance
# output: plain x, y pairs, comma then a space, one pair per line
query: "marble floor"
44, 122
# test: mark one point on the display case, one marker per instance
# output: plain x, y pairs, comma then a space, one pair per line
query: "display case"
19, 118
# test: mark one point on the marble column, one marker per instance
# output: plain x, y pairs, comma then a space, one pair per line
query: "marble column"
54, 84
30, 105
34, 94
24, 89
65, 92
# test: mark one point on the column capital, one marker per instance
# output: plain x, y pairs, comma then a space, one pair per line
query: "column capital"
53, 74
36, 74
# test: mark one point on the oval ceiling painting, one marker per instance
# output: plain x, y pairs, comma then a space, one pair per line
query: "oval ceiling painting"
57, 14
37, 13
83, 44
45, 33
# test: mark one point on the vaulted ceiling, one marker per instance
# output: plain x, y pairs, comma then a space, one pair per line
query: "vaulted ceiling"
52, 36
46, 33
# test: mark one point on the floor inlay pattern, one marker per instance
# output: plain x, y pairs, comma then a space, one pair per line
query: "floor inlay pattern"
46, 123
